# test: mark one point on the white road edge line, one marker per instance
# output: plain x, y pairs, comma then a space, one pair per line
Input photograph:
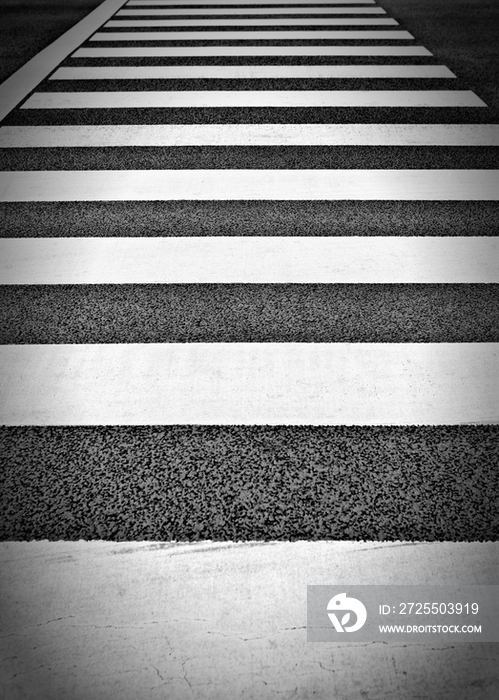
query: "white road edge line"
18, 85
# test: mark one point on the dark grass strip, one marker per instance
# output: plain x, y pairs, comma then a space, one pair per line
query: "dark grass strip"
248, 218
245, 483
251, 157
211, 313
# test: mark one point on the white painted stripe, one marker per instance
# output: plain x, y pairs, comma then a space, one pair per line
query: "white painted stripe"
247, 22
250, 135
148, 51
250, 260
18, 85
248, 72
253, 98
348, 34
207, 3
255, 11
250, 384
225, 185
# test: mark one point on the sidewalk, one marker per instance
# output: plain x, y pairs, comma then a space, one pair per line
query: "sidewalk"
94, 620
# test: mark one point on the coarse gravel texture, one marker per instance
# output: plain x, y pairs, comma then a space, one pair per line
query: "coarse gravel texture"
259, 313
248, 218
250, 483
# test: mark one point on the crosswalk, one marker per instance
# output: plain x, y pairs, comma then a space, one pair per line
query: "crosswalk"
354, 393
241, 293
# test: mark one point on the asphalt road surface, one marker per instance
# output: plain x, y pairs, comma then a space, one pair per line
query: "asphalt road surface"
249, 294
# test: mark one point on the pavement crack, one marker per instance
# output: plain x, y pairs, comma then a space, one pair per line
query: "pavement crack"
185, 673
159, 674
56, 619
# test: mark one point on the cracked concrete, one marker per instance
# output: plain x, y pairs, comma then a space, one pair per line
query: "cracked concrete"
222, 622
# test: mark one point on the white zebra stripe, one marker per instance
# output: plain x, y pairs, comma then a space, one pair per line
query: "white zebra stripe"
364, 35
207, 3
250, 384
246, 185
165, 51
249, 135
254, 11
248, 22
250, 260
248, 72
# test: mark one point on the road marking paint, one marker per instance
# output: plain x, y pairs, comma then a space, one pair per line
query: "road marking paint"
366, 35
255, 11
248, 72
207, 3
249, 135
250, 384
160, 51
18, 85
250, 260
118, 24
253, 98
263, 185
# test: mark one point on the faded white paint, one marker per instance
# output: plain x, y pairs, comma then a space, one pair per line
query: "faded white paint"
250, 384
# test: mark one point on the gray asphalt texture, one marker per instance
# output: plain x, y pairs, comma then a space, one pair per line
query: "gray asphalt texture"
263, 313
248, 218
251, 157
250, 483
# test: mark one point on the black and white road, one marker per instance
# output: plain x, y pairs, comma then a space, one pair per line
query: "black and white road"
249, 275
